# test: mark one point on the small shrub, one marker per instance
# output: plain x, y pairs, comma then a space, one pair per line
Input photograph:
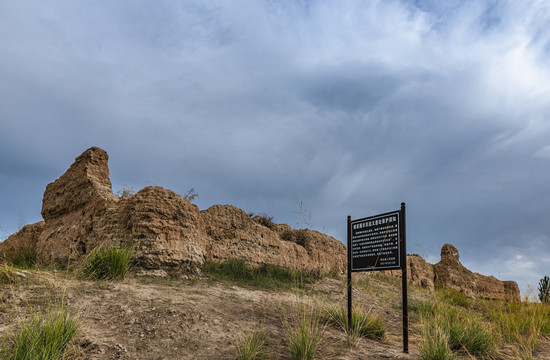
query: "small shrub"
8, 275
190, 194
296, 236
305, 220
23, 258
542, 314
287, 235
301, 237
544, 290
106, 263
42, 337
361, 325
251, 347
126, 192
264, 219
335, 273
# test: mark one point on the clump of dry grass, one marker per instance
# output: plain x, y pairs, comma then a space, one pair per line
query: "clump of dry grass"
454, 325
43, 336
449, 332
40, 328
24, 257
435, 343
8, 274
106, 262
362, 325
305, 329
521, 324
251, 347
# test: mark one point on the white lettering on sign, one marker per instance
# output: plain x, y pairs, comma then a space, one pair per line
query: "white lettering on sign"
375, 243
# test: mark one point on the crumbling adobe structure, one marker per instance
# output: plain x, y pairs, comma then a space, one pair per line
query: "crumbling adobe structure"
450, 273
80, 211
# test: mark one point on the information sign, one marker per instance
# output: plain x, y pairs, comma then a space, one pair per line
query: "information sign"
379, 243
375, 243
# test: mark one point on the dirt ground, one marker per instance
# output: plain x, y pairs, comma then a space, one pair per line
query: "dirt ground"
151, 318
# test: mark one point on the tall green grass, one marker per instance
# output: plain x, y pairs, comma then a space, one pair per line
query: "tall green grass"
306, 330
42, 337
251, 347
264, 276
435, 343
421, 309
455, 325
522, 324
453, 297
450, 330
24, 257
106, 262
362, 325
467, 334
8, 274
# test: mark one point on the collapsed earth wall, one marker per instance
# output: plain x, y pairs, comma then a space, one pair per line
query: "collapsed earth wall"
80, 212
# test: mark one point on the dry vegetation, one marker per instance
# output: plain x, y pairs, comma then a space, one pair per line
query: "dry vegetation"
232, 311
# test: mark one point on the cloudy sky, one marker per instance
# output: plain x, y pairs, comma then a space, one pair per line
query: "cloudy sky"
350, 107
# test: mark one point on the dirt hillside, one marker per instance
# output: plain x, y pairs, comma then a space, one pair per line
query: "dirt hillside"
148, 318
197, 318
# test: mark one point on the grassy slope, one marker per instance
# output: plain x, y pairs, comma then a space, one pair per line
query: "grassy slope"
209, 317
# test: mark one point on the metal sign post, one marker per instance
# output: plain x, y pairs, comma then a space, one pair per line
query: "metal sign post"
378, 243
349, 272
403, 235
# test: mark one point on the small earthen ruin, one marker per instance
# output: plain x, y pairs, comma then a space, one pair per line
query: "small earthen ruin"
172, 235
450, 273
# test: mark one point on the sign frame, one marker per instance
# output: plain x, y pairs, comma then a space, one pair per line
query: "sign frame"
397, 234
402, 251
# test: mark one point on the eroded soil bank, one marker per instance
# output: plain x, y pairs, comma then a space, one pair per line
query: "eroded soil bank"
148, 318
198, 318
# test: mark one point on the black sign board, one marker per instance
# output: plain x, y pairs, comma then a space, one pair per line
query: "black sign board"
375, 243
379, 243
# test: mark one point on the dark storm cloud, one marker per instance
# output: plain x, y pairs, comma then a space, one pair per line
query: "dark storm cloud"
350, 107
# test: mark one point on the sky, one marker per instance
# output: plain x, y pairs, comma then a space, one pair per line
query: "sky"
345, 107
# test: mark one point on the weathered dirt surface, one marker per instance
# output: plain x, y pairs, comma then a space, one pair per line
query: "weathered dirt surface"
196, 318
148, 318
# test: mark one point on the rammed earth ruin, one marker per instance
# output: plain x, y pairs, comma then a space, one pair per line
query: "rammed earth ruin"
80, 212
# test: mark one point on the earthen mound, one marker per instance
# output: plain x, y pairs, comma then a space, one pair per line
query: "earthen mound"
450, 273
80, 212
